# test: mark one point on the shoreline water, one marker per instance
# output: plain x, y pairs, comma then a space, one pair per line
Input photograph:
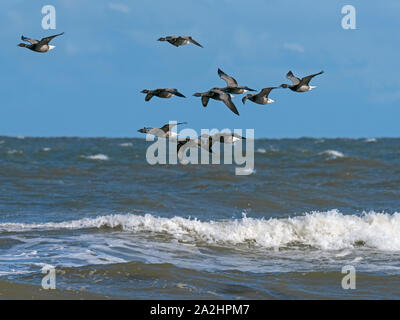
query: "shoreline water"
115, 227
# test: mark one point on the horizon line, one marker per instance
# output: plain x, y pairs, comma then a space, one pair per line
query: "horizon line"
143, 138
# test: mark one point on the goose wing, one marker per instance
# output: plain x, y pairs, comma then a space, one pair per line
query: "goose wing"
173, 40
306, 80
226, 98
231, 82
168, 127
48, 39
266, 91
148, 96
292, 78
31, 41
194, 42
204, 100
175, 92
184, 145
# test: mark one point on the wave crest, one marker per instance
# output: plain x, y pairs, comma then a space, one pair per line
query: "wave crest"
329, 230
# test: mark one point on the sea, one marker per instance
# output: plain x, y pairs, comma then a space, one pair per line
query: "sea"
315, 219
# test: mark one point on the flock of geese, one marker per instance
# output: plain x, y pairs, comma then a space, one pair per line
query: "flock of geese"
224, 94
232, 87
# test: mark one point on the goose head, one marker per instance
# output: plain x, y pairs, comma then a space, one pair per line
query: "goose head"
144, 130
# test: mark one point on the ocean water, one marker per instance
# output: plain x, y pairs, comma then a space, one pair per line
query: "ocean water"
115, 227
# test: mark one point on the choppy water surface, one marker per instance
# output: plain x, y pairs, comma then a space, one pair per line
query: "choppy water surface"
116, 227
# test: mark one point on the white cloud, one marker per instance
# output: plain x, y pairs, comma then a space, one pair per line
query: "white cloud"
294, 47
120, 7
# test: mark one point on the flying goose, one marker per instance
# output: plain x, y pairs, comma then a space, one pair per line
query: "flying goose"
162, 93
261, 97
232, 85
217, 94
208, 143
224, 137
163, 132
300, 85
39, 46
178, 41
182, 146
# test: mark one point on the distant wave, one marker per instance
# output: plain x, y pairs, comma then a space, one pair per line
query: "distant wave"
333, 154
263, 150
15, 152
101, 157
329, 230
126, 144
371, 140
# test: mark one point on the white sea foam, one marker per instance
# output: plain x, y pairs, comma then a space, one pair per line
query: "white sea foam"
371, 140
126, 144
15, 152
329, 230
46, 149
333, 154
101, 157
263, 150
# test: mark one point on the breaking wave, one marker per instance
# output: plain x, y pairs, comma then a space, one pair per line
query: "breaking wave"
101, 157
329, 230
333, 154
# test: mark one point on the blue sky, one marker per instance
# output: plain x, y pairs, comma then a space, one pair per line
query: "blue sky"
90, 84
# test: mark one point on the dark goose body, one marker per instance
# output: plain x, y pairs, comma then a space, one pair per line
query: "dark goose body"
162, 93
261, 97
178, 41
41, 46
300, 85
217, 94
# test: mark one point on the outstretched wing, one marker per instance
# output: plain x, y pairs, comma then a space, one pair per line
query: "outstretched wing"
226, 98
173, 40
48, 39
175, 92
184, 145
195, 42
204, 100
292, 78
31, 41
168, 127
306, 80
266, 91
231, 82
